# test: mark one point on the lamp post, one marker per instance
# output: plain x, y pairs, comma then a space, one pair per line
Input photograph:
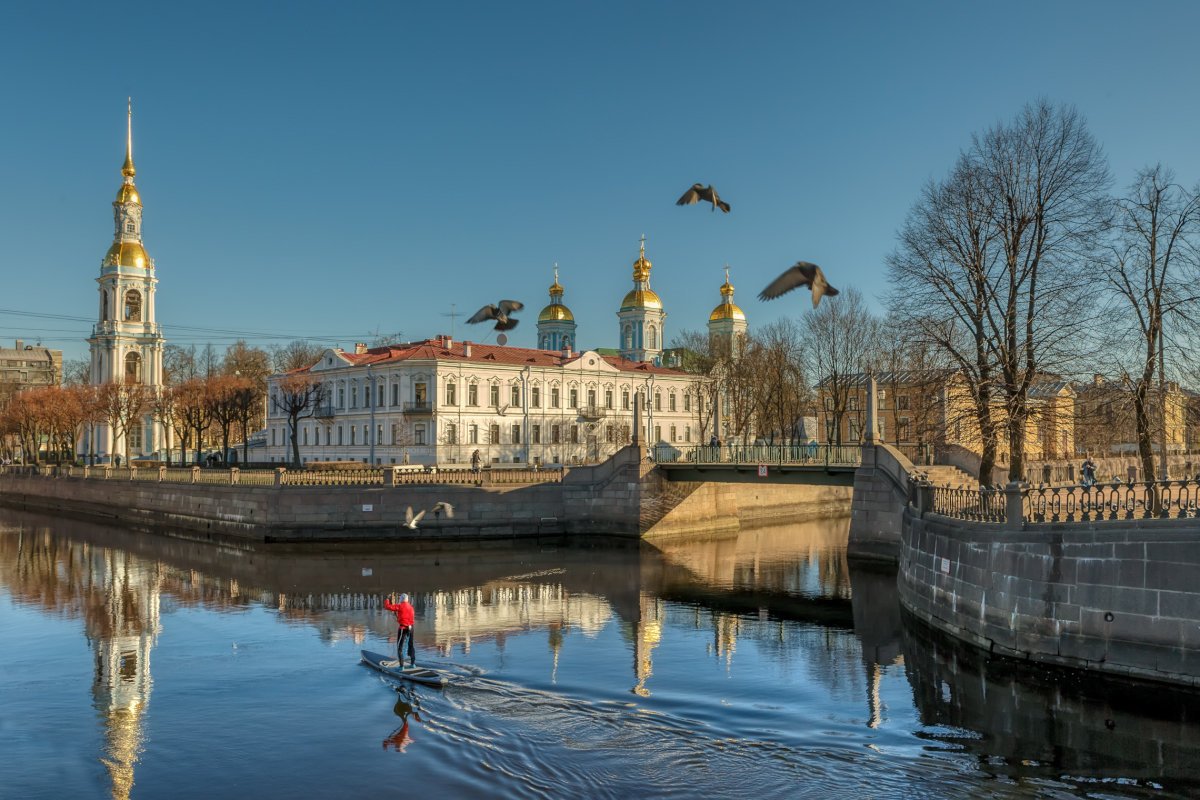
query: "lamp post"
525, 408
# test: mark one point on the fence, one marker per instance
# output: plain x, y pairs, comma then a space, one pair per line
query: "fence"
283, 478
799, 454
983, 504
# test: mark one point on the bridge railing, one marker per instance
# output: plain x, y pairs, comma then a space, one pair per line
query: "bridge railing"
773, 455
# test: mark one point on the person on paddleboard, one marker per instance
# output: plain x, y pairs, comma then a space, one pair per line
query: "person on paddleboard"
404, 618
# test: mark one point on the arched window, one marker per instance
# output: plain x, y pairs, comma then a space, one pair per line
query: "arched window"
133, 306
627, 337
566, 343
652, 339
104, 305
133, 368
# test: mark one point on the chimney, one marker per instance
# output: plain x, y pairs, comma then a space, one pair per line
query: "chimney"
360, 348
447, 342
20, 345
566, 350
467, 349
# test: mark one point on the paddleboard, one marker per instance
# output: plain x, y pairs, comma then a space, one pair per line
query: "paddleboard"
422, 675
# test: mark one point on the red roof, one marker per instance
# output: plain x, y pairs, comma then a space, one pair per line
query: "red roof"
435, 349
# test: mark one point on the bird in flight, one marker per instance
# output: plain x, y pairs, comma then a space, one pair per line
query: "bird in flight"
411, 520
500, 313
802, 273
706, 193
442, 506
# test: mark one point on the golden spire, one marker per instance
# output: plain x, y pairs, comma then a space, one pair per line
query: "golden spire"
127, 168
727, 287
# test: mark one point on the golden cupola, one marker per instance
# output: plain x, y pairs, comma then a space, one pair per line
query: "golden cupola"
127, 249
642, 296
727, 309
556, 311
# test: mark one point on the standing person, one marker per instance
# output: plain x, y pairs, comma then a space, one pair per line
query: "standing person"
476, 459
404, 619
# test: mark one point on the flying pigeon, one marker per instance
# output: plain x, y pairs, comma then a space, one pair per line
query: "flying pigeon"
442, 506
802, 273
500, 313
705, 193
410, 521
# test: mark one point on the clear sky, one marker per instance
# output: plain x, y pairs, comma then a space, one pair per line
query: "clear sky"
331, 169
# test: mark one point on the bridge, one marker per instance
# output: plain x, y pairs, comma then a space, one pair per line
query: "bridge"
819, 464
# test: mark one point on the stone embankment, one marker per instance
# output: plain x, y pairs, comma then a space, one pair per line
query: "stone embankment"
1100, 578
624, 496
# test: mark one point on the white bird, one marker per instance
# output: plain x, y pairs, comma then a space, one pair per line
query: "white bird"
411, 520
441, 506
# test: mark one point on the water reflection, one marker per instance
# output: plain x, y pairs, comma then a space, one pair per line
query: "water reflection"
765, 606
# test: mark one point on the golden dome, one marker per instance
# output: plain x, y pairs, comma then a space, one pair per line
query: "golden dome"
727, 311
641, 298
127, 254
556, 312
128, 193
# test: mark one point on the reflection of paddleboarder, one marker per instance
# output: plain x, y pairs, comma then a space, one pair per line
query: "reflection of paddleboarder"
399, 739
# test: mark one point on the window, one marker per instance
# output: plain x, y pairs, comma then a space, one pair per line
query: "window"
451, 433
366, 431
354, 396
379, 434
671, 406
853, 406
419, 433
591, 398
494, 434
304, 436
555, 434
516, 434
395, 433
902, 402
902, 429
608, 398
687, 401
379, 396
353, 434
395, 394
272, 437
473, 434
673, 437
366, 395
133, 368
421, 393
328, 435
658, 433
854, 430
625, 399
130, 227
574, 399
687, 431
451, 394
828, 403
610, 435
494, 395
473, 394
574, 434
133, 306
514, 394
554, 400
135, 436
658, 401
339, 434
341, 396
535, 398
535, 434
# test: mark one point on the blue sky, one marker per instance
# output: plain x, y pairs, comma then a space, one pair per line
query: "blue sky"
333, 169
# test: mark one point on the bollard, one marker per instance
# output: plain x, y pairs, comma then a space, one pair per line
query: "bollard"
133, 473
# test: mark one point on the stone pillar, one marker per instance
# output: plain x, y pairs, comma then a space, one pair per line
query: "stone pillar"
279, 476
872, 432
637, 419
235, 476
1014, 507
717, 413
162, 473
195, 474
389, 476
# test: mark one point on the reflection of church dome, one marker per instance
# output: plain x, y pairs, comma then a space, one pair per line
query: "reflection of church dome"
727, 309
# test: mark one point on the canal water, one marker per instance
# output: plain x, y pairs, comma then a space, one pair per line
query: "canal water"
761, 666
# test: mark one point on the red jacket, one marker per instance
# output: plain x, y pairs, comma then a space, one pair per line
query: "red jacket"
404, 612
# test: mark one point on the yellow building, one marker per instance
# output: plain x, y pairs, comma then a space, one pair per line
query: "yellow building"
920, 411
1106, 421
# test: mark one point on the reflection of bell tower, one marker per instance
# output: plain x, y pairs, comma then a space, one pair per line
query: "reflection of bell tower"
126, 343
122, 636
647, 635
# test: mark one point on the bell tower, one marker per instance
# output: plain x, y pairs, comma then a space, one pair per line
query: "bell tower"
126, 343
641, 316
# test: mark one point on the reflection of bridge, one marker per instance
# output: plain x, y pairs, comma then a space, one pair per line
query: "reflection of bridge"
813, 463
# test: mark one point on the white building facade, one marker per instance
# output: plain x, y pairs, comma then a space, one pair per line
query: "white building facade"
437, 401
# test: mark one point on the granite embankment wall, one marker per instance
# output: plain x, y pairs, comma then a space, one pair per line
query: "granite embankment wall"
881, 493
624, 496
1116, 597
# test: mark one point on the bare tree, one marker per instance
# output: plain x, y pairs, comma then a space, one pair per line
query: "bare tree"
299, 354
774, 374
179, 364
120, 405
1153, 277
840, 340
300, 396
77, 372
